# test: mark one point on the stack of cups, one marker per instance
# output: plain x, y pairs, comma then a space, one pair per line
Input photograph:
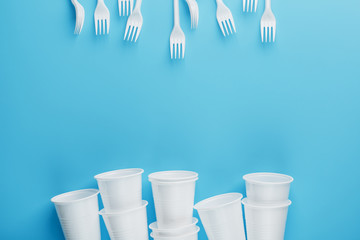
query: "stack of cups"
266, 205
124, 210
222, 217
174, 193
78, 214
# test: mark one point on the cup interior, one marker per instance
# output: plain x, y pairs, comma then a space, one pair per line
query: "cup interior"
218, 201
171, 176
122, 173
270, 178
74, 196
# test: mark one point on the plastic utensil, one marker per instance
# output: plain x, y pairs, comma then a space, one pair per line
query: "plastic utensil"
130, 224
222, 217
174, 202
265, 222
121, 189
125, 7
194, 12
225, 18
134, 23
192, 235
102, 18
80, 16
250, 5
267, 188
78, 214
177, 37
268, 24
172, 232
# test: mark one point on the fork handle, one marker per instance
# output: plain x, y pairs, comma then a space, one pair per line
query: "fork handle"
219, 1
176, 13
267, 4
138, 4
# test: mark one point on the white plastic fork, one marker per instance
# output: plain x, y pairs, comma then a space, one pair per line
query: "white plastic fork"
102, 18
225, 18
250, 5
80, 16
268, 24
125, 7
194, 12
177, 37
134, 23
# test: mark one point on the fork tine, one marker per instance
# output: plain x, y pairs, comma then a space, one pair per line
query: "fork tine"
133, 34
222, 28
137, 33
130, 32
266, 33
226, 27
256, 3
108, 25
244, 4
183, 50
233, 23
262, 32
274, 31
126, 30
96, 26
227, 22
251, 5
171, 49
247, 5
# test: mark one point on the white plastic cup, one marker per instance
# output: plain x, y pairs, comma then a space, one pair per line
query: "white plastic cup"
129, 224
121, 189
165, 232
192, 235
267, 188
78, 214
265, 222
173, 197
222, 217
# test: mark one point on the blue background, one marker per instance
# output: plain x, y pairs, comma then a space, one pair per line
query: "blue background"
72, 107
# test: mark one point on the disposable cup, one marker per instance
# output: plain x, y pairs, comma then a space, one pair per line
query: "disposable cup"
265, 222
78, 214
222, 217
121, 189
267, 188
129, 224
192, 235
173, 176
174, 202
165, 232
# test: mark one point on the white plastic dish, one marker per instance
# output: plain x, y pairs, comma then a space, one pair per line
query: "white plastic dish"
172, 176
174, 202
193, 235
121, 189
129, 224
77, 212
222, 216
166, 232
267, 188
265, 222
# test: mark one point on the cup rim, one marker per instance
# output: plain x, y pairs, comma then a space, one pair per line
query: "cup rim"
108, 176
200, 205
250, 178
58, 198
154, 226
172, 183
161, 176
246, 202
103, 211
177, 237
